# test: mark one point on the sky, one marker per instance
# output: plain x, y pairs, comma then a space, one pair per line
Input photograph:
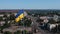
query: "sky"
29, 4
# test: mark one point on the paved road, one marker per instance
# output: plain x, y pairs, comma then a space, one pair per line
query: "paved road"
15, 28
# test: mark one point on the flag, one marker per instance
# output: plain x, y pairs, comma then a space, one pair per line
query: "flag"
19, 15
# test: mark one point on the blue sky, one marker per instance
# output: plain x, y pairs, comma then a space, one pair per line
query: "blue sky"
29, 4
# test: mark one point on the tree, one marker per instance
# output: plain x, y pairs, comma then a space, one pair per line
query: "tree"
12, 17
6, 23
20, 23
18, 32
5, 15
1, 19
7, 32
39, 21
29, 13
24, 32
6, 18
27, 22
52, 21
1, 29
30, 32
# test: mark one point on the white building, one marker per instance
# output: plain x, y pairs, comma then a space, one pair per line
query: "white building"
1, 23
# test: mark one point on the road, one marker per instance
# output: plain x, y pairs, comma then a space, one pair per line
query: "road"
15, 28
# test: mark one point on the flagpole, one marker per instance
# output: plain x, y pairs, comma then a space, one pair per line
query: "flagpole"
23, 24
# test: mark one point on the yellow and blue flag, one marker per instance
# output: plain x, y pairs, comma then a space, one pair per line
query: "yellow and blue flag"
19, 15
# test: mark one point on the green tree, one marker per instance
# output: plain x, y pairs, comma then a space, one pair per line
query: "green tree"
18, 32
1, 19
29, 13
24, 32
1, 29
30, 32
20, 23
27, 22
7, 32
4, 25
12, 17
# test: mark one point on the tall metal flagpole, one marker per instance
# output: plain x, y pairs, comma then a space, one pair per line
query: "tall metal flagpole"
24, 14
23, 24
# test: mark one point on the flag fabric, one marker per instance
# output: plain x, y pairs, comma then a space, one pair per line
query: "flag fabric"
19, 15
